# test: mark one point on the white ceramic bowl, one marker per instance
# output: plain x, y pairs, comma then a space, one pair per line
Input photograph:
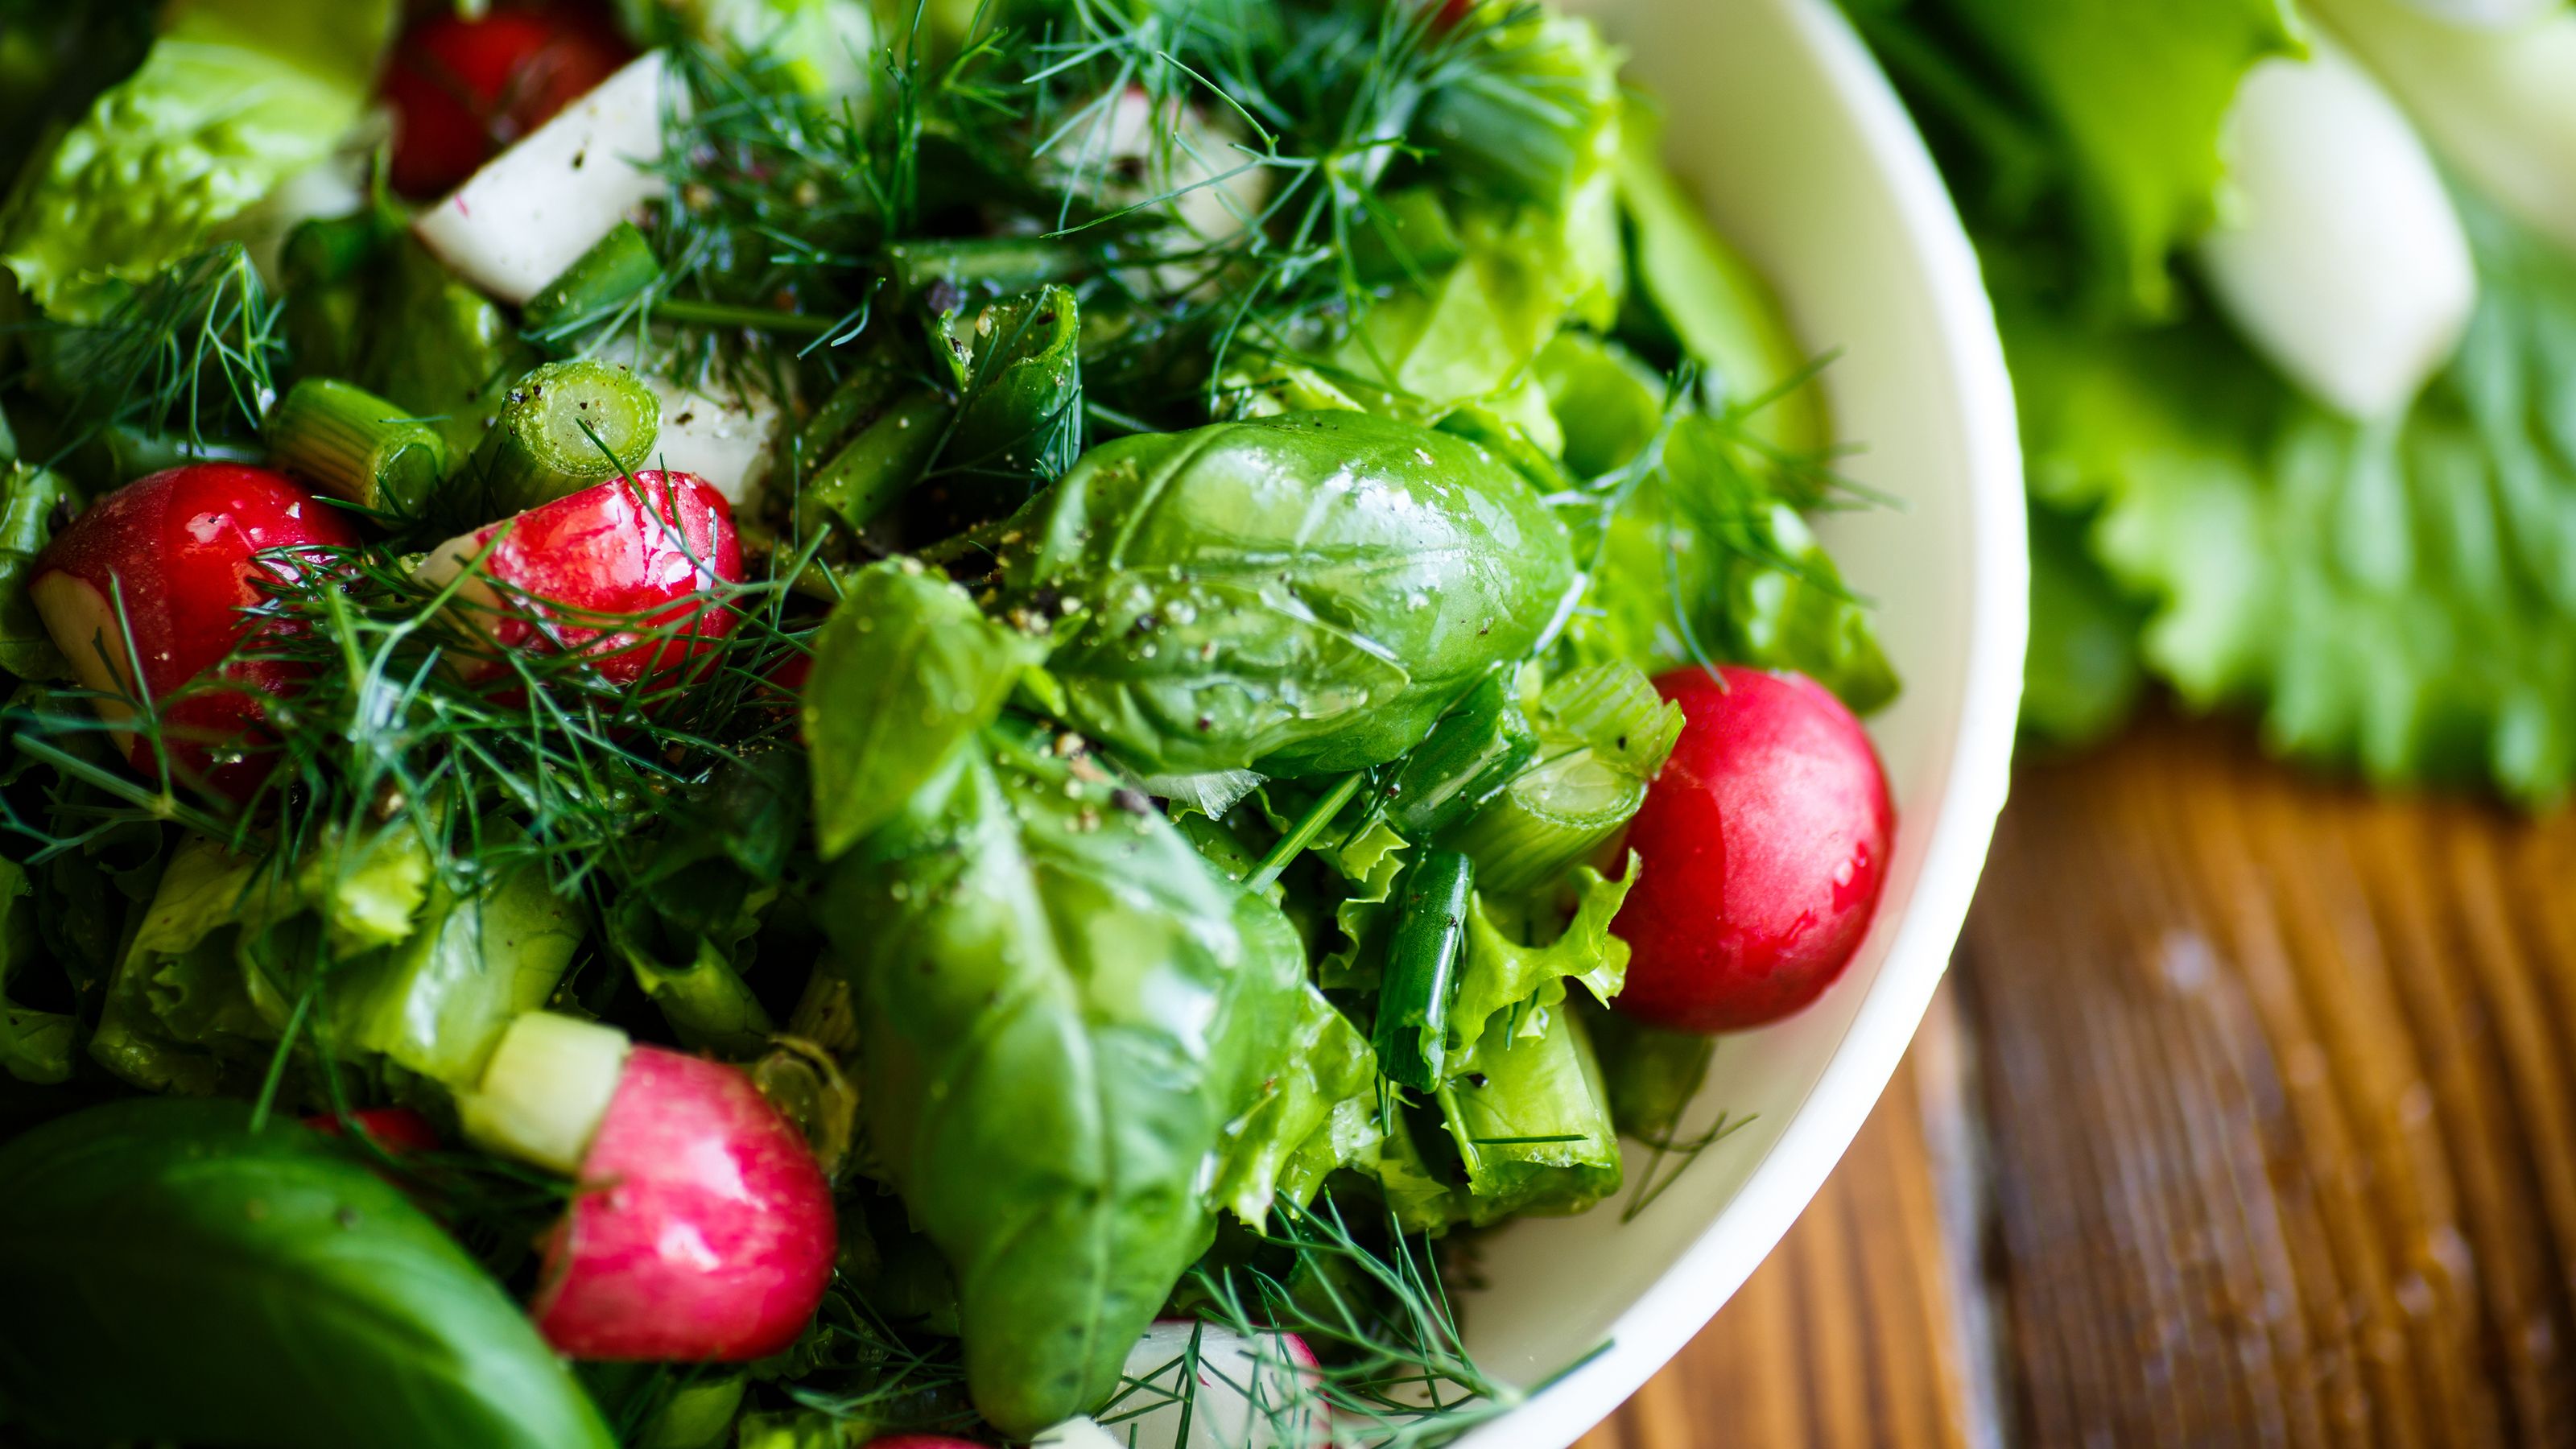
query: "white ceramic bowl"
1784, 127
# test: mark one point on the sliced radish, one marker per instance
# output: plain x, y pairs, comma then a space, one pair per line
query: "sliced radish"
2499, 103
620, 573
1761, 847
461, 88
703, 1229
2342, 261
1227, 1390
545, 1090
538, 206
182, 550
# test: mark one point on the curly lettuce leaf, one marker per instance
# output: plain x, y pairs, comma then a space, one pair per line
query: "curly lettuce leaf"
234, 97
35, 1045
1510, 984
2403, 597
1316, 1111
29, 498
2091, 117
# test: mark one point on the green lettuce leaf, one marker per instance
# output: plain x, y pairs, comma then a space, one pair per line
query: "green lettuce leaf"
28, 500
1316, 1111
2090, 117
1511, 984
234, 97
35, 1046
2400, 597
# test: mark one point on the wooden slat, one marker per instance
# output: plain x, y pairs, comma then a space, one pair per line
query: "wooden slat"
1845, 1335
2277, 1083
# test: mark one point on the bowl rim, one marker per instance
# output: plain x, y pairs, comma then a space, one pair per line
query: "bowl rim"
1655, 1328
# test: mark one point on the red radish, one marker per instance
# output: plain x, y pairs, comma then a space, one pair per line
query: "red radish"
181, 549
462, 89
398, 1130
1764, 843
703, 1231
642, 553
1227, 1390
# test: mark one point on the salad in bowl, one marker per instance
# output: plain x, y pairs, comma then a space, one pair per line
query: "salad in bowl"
776, 724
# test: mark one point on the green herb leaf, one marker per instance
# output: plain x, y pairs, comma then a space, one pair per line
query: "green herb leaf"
235, 97
1302, 594
1059, 1016
905, 670
166, 1273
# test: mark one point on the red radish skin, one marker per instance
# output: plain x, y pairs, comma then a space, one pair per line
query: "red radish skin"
705, 1231
649, 548
398, 1130
179, 548
1764, 845
461, 90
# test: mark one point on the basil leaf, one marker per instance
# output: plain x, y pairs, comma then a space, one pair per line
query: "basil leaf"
904, 670
167, 1274
1059, 1015
1296, 594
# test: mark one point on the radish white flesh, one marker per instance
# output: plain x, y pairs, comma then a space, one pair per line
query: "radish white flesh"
548, 1086
532, 210
1234, 1392
724, 442
2343, 261
2500, 104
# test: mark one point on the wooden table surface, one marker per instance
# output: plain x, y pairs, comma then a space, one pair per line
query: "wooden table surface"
2248, 1116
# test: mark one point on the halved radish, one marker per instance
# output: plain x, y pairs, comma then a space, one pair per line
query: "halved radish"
1762, 846
530, 213
621, 573
462, 88
1227, 1390
703, 1231
185, 551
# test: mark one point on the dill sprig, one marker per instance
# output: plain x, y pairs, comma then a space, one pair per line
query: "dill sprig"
1392, 1371
193, 354
407, 716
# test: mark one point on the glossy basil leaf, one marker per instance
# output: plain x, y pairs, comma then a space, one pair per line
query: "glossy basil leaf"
35, 1046
166, 1274
29, 497
904, 671
1296, 594
1059, 1015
